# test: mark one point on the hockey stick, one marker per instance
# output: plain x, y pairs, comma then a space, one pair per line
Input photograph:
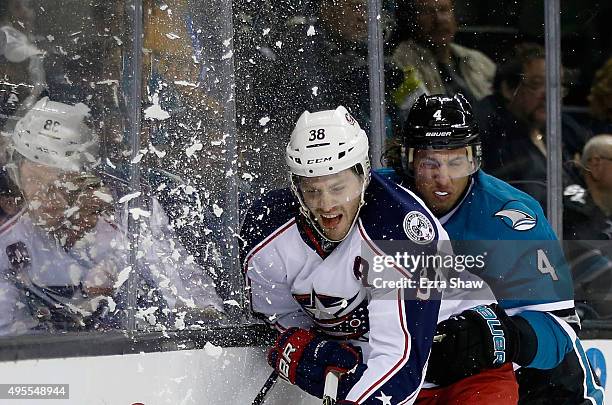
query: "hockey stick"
329, 392
331, 388
263, 392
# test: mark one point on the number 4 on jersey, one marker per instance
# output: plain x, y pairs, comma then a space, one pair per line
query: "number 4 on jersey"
544, 265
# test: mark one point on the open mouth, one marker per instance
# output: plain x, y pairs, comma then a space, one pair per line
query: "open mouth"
330, 221
441, 193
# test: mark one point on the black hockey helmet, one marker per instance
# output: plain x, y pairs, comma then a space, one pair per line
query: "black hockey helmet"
442, 122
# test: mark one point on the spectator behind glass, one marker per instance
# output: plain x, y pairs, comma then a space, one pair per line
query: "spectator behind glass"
512, 122
587, 228
16, 52
431, 61
600, 100
333, 61
65, 256
322, 63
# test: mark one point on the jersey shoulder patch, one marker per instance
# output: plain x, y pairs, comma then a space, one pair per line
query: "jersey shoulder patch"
517, 216
392, 212
512, 212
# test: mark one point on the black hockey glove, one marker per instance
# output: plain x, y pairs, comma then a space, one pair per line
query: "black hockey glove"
479, 338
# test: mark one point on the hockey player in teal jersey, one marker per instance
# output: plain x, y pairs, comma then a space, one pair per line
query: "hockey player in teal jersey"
439, 157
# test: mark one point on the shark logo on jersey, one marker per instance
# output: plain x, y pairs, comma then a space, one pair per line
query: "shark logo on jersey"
517, 216
419, 228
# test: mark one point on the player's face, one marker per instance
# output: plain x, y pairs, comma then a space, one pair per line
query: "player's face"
529, 99
63, 203
441, 176
333, 200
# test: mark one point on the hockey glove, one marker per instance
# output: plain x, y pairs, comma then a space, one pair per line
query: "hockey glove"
477, 339
303, 358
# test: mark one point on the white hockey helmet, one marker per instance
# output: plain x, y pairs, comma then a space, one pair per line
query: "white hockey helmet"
325, 143
57, 135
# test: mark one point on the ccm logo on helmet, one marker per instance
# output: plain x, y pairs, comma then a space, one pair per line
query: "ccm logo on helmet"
285, 361
446, 133
319, 160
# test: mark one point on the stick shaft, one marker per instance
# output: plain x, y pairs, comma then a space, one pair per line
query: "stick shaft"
331, 388
263, 392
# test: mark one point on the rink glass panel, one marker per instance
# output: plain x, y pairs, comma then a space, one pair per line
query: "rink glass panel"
218, 89
167, 166
54, 281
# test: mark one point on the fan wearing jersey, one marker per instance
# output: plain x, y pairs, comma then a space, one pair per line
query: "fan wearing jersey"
308, 262
439, 157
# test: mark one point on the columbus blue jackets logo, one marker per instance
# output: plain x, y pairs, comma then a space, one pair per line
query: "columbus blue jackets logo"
419, 228
517, 216
337, 316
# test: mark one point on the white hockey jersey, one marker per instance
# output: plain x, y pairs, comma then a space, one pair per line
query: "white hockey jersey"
100, 260
296, 280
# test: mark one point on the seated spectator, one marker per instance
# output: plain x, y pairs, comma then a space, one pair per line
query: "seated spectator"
600, 100
431, 61
587, 223
512, 122
66, 254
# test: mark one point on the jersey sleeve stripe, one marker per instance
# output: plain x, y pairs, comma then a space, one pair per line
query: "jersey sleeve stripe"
547, 307
402, 361
266, 241
589, 384
4, 228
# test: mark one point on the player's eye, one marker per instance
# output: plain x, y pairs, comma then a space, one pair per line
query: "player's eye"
310, 191
429, 164
457, 163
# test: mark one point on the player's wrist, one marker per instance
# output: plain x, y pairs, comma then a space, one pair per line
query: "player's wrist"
526, 341
348, 380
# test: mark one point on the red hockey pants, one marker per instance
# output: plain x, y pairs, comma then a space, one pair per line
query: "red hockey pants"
496, 386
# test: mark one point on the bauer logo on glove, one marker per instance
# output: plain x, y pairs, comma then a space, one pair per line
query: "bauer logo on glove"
497, 333
477, 339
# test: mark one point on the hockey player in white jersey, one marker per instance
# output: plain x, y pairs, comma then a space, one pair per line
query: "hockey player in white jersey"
65, 255
308, 259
